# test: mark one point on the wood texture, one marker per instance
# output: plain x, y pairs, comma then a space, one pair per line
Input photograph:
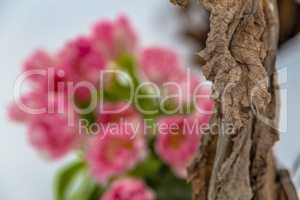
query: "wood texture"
239, 59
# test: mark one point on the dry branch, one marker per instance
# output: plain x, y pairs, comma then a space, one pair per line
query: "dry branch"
239, 59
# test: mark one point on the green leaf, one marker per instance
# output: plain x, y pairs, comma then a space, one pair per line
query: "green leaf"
117, 91
171, 187
170, 107
148, 168
87, 190
151, 128
65, 178
128, 63
147, 101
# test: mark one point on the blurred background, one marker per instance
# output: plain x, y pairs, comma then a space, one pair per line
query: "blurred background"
31, 24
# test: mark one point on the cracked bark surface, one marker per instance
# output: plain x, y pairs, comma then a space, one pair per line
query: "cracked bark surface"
239, 59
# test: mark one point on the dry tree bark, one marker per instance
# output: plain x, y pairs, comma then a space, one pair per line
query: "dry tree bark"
235, 160
194, 31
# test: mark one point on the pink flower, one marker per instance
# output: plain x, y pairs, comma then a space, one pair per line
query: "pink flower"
114, 37
24, 109
160, 65
203, 104
49, 121
38, 63
52, 135
82, 64
114, 114
129, 189
125, 34
81, 61
15, 113
177, 141
44, 72
118, 112
114, 152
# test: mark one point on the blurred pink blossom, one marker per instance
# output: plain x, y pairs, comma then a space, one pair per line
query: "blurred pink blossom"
204, 104
163, 67
44, 72
118, 112
177, 141
52, 135
16, 113
113, 38
129, 189
30, 105
113, 153
38, 60
49, 119
182, 90
81, 61
160, 65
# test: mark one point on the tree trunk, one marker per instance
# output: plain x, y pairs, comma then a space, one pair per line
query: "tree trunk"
235, 160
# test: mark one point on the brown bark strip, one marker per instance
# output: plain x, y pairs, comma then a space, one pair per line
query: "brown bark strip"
182, 3
239, 59
286, 187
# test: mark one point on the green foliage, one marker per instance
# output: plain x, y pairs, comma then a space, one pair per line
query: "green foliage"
74, 183
87, 190
148, 168
65, 177
169, 187
127, 63
161, 179
121, 85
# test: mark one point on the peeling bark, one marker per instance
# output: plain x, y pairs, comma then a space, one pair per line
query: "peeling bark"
239, 59
182, 3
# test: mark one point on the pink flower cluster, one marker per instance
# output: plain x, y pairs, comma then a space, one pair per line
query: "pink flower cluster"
50, 113
81, 59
